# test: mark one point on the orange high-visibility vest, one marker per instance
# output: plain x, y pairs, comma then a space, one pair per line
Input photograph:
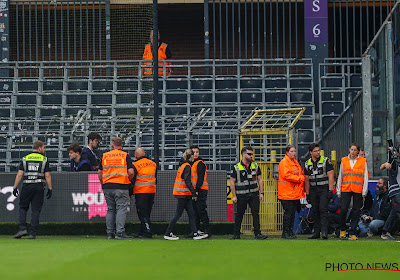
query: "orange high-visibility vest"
291, 180
353, 179
195, 176
162, 56
146, 176
180, 187
115, 168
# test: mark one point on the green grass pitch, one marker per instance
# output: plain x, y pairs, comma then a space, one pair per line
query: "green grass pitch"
94, 257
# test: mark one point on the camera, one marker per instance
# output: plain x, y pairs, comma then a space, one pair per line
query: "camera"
365, 218
393, 152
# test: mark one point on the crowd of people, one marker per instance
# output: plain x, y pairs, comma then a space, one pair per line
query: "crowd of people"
343, 206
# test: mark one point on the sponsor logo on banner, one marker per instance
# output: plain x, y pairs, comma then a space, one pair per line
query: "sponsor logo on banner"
92, 201
8, 191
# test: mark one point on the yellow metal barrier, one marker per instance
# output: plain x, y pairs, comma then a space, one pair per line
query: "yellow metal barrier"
268, 132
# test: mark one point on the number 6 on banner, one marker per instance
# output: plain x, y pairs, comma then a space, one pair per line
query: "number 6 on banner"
316, 31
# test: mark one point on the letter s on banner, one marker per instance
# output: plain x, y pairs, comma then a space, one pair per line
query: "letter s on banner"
316, 6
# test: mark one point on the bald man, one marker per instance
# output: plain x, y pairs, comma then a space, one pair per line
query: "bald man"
144, 189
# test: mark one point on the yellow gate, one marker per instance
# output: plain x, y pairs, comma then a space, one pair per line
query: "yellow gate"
268, 132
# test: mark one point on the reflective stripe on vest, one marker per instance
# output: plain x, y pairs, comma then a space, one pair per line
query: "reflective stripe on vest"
320, 179
353, 178
244, 185
115, 168
162, 56
34, 165
180, 187
195, 176
146, 176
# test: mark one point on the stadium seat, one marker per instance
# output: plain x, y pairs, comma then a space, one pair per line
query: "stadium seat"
27, 86
305, 136
26, 99
352, 93
52, 85
276, 82
176, 83
78, 85
53, 99
201, 83
251, 82
355, 80
332, 108
6, 86
226, 83
127, 85
300, 81
305, 124
102, 85
301, 97
331, 95
276, 97
102, 99
225, 97
333, 81
251, 97
4, 113
198, 97
175, 98
76, 100
327, 121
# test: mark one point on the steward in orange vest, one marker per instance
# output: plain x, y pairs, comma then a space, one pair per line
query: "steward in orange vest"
290, 189
164, 53
352, 184
115, 173
145, 181
185, 193
200, 183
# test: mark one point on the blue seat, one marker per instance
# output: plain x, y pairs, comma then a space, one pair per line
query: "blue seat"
102, 99
76, 100
175, 98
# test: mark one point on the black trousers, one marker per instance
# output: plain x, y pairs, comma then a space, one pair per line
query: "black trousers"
183, 203
200, 209
355, 211
31, 194
391, 223
144, 204
289, 207
253, 201
319, 202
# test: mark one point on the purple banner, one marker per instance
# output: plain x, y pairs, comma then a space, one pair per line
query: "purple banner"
316, 21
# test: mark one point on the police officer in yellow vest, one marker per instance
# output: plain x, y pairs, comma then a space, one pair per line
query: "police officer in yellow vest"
34, 171
319, 185
164, 53
200, 183
243, 183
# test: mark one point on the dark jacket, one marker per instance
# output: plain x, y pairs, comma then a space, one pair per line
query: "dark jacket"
201, 171
334, 204
90, 156
385, 207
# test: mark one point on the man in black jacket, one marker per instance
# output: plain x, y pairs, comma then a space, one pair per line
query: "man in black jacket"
380, 210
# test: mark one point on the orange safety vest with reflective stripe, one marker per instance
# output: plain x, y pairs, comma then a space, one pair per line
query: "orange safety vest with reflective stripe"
180, 187
146, 176
353, 179
115, 168
291, 180
148, 55
195, 176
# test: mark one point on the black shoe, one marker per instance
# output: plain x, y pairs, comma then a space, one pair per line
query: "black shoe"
122, 236
190, 235
21, 233
288, 236
324, 235
110, 236
314, 236
235, 237
260, 237
32, 236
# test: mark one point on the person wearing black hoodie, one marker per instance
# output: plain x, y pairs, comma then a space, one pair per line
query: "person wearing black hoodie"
199, 178
185, 193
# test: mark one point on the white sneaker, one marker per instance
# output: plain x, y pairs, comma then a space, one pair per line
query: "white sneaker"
171, 236
198, 236
200, 232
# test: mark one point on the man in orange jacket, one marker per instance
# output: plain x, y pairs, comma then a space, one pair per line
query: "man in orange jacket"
290, 189
144, 181
164, 53
115, 174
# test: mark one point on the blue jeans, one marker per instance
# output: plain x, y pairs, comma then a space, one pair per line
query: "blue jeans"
373, 227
